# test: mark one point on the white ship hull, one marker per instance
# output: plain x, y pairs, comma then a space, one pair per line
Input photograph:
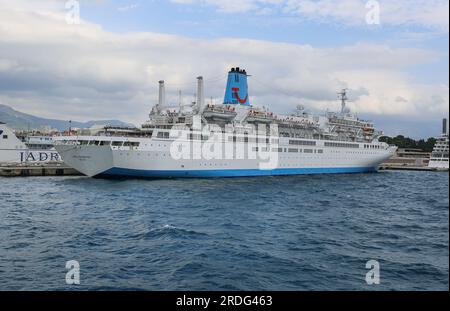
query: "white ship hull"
106, 161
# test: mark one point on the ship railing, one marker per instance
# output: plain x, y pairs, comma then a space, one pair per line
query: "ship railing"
210, 108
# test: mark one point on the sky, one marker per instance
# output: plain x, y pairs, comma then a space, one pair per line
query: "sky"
106, 61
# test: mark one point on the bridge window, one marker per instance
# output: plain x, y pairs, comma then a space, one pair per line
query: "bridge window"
5, 136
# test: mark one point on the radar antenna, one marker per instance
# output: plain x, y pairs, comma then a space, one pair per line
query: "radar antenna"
343, 97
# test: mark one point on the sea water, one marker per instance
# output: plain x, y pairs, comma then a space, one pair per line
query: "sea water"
262, 233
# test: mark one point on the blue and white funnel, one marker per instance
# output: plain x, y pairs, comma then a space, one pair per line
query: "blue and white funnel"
236, 92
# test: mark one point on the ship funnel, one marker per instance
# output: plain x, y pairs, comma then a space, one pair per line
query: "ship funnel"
162, 96
236, 92
200, 93
445, 126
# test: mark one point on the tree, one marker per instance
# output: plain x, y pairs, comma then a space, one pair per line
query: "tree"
406, 142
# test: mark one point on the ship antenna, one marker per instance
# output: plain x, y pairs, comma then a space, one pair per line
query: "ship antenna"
343, 97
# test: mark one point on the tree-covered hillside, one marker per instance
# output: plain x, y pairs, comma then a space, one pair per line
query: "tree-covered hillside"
406, 142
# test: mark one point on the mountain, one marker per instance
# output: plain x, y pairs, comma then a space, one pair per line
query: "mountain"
22, 121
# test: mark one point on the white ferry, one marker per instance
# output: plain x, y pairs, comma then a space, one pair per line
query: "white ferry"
230, 139
439, 156
25, 147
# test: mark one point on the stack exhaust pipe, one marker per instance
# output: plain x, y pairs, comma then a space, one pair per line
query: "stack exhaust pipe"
200, 94
162, 96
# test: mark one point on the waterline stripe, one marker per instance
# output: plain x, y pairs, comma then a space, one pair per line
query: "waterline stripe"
121, 172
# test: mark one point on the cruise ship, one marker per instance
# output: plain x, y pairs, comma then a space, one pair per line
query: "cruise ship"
230, 139
439, 156
26, 147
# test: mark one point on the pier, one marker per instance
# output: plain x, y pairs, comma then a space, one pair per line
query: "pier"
410, 168
42, 169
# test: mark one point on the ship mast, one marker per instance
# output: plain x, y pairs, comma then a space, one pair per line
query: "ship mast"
343, 97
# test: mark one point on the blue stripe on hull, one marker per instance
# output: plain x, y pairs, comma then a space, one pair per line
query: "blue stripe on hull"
121, 172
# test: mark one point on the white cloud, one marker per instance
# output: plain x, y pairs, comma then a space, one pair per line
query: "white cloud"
426, 13
233, 6
84, 72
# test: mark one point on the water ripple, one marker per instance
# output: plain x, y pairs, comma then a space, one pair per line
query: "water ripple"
269, 233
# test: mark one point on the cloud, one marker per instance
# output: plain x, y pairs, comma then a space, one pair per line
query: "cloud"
84, 72
431, 14
229, 6
127, 8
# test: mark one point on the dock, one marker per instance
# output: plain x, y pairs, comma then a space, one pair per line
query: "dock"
410, 168
41, 169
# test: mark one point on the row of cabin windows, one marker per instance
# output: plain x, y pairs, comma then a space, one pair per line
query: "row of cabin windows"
163, 135
302, 142
41, 146
192, 136
197, 137
263, 149
234, 139
439, 155
108, 143
372, 147
247, 139
341, 145
295, 150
